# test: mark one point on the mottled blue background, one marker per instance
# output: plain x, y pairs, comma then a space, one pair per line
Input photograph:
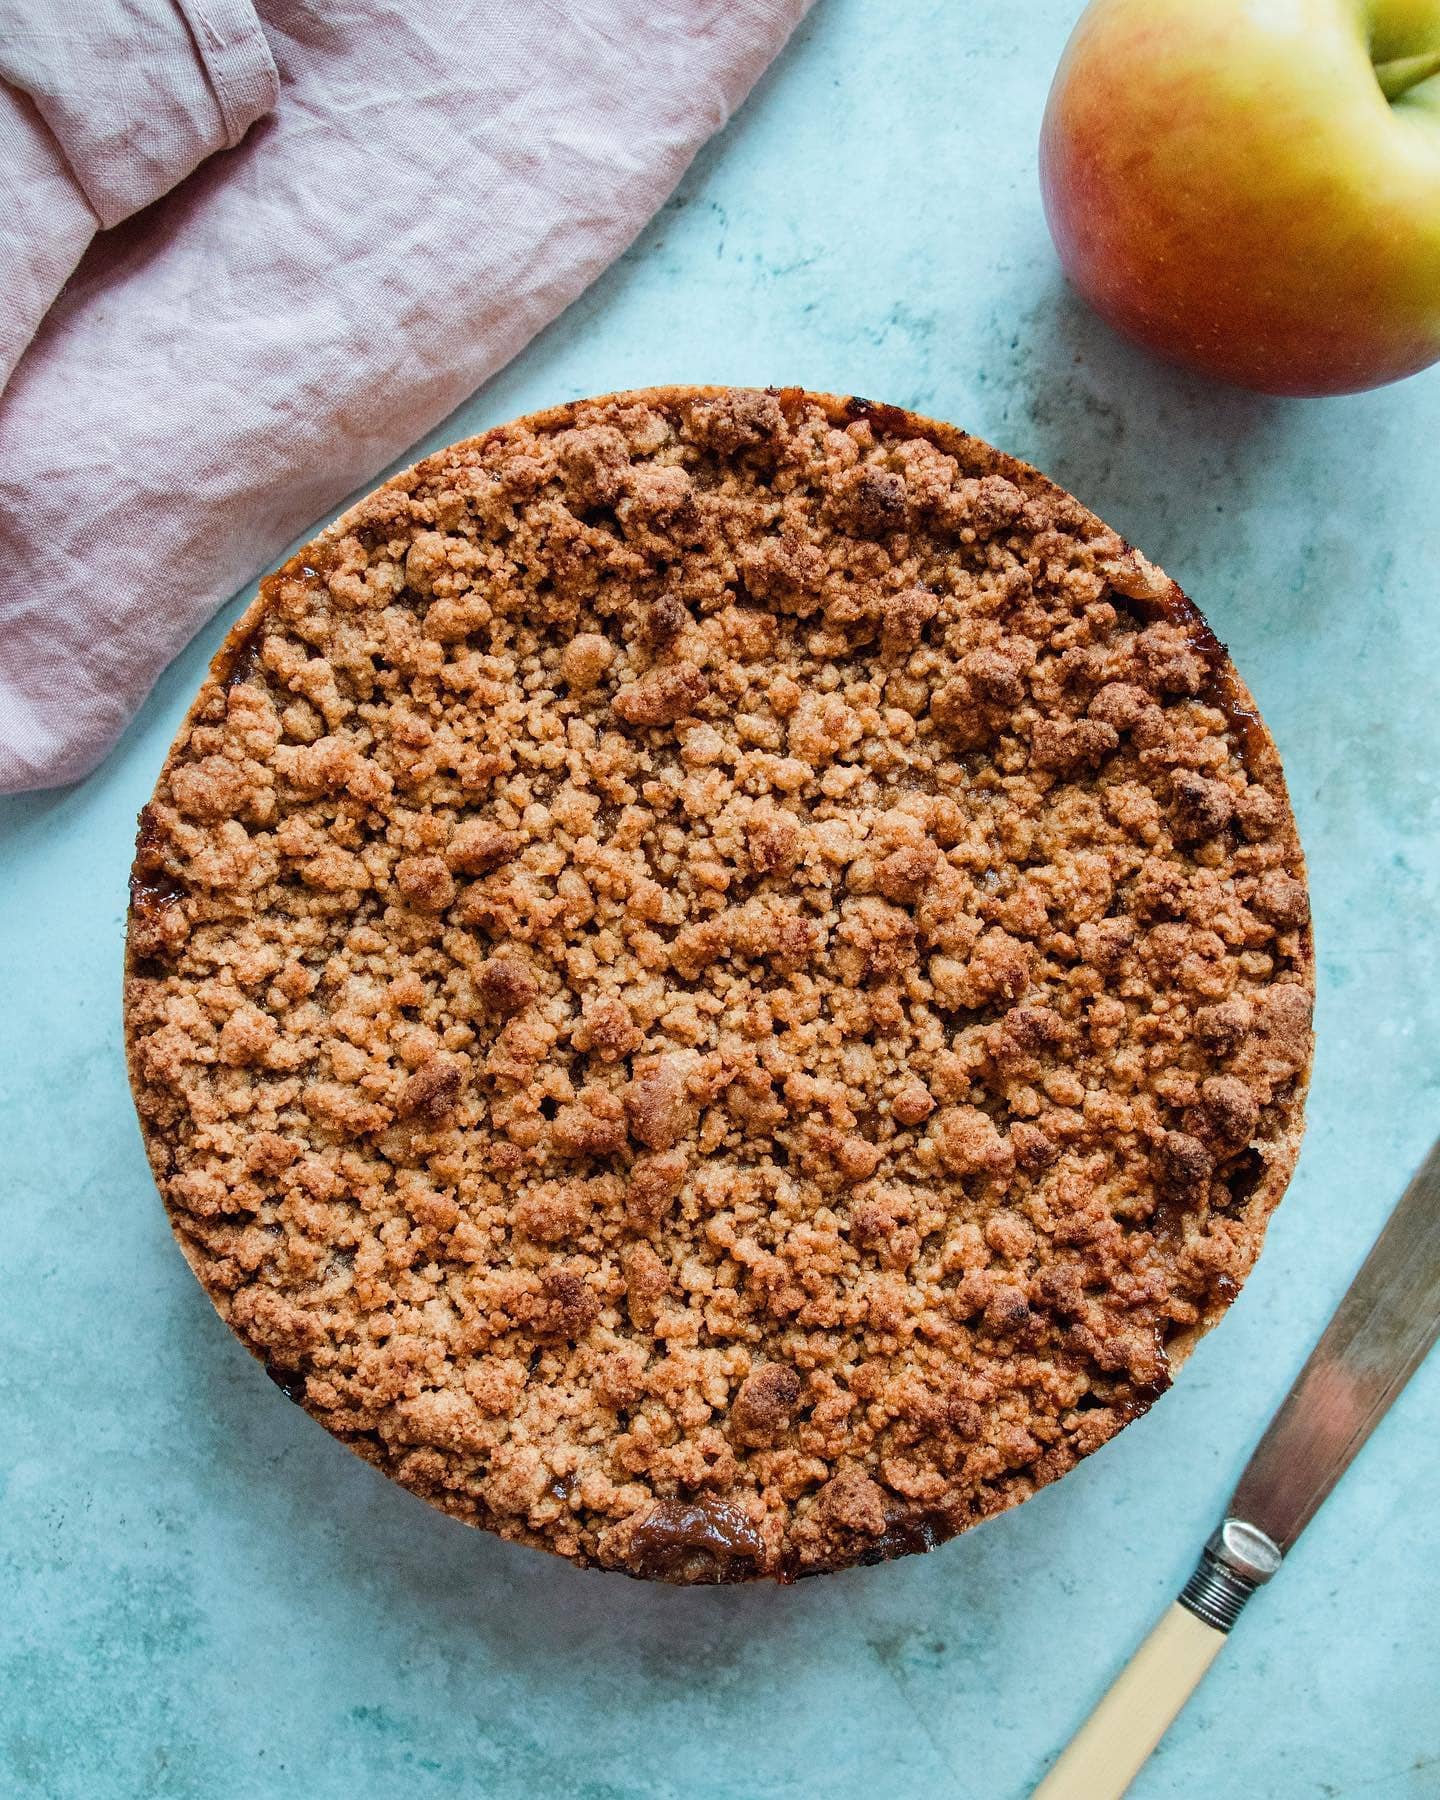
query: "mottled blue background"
202, 1595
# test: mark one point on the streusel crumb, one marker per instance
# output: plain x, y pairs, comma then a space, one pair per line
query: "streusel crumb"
720, 981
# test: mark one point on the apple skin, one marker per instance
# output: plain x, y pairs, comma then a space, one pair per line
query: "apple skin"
1227, 184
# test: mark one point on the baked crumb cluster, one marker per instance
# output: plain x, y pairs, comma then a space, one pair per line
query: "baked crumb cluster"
720, 982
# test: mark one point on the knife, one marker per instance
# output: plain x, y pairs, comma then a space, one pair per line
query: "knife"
1378, 1337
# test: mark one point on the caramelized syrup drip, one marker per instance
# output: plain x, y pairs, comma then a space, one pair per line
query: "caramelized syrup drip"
240, 661
674, 1531
291, 1382
1222, 688
152, 889
891, 419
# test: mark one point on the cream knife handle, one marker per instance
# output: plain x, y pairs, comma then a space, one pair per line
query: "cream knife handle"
1108, 1751
1111, 1747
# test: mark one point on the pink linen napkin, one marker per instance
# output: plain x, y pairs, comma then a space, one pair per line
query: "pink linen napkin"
435, 184
103, 108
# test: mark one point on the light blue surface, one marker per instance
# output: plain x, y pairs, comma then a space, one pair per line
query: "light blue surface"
202, 1595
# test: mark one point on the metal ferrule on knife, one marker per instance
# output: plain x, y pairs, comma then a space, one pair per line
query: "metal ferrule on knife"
1237, 1559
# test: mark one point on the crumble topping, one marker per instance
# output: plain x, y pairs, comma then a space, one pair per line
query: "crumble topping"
720, 981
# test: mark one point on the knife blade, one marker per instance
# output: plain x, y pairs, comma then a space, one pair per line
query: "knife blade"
1377, 1337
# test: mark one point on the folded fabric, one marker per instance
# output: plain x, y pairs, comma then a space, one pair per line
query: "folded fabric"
435, 185
103, 108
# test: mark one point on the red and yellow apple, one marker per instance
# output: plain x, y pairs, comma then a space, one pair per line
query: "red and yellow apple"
1252, 187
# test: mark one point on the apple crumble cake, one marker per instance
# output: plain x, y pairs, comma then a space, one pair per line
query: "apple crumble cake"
719, 981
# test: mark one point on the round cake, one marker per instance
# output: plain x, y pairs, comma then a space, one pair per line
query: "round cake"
719, 982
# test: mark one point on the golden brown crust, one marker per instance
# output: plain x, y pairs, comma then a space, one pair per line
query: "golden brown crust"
719, 982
